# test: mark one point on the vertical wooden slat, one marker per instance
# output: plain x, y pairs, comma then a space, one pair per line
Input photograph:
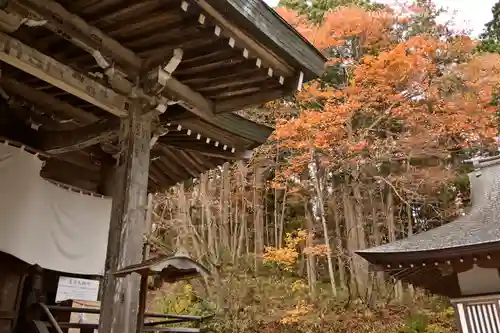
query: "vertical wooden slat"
125, 242
488, 314
496, 318
462, 318
479, 317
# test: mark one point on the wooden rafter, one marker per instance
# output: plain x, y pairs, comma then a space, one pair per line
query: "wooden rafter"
94, 41
270, 60
207, 150
58, 142
41, 99
82, 34
25, 58
248, 101
207, 44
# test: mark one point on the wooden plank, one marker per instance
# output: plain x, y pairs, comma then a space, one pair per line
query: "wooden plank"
120, 296
174, 159
76, 30
186, 97
25, 58
44, 100
68, 170
170, 168
205, 149
266, 55
58, 142
63, 172
248, 101
199, 168
107, 173
93, 40
273, 34
206, 161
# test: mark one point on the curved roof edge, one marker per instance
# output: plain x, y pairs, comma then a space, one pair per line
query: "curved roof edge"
377, 257
243, 127
261, 20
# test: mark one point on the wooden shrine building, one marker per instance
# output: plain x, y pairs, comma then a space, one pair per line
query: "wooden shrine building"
460, 259
118, 97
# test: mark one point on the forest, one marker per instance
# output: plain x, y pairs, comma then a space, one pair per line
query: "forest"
370, 153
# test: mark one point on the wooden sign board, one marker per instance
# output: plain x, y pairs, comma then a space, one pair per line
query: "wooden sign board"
70, 288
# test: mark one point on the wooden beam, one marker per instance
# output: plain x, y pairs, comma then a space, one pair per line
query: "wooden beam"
119, 305
41, 99
174, 162
268, 57
107, 173
171, 169
248, 101
58, 142
202, 160
27, 59
93, 40
77, 31
84, 159
199, 168
160, 176
205, 149
178, 91
70, 174
207, 131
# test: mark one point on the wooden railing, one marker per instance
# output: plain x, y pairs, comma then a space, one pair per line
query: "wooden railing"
53, 326
478, 314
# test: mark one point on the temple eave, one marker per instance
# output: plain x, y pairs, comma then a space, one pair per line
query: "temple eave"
446, 253
67, 81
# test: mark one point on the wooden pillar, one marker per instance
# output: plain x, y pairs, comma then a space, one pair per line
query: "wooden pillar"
120, 297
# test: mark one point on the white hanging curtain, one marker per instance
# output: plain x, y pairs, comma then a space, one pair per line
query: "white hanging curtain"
42, 223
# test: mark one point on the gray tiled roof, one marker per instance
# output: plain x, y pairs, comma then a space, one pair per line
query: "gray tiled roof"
480, 226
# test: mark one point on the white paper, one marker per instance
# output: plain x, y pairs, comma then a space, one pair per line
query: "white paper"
77, 289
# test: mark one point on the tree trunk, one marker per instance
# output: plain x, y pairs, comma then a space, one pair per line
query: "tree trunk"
410, 291
258, 215
281, 230
391, 227
321, 206
361, 264
351, 243
243, 227
224, 209
311, 258
377, 240
277, 243
332, 204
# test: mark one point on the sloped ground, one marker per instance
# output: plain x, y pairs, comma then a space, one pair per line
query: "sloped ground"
279, 305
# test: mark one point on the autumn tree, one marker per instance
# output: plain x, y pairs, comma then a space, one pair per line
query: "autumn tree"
315, 10
401, 96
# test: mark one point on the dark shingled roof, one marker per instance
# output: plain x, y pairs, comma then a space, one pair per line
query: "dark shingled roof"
479, 229
274, 32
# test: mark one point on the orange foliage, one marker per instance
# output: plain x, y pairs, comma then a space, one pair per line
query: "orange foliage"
316, 250
298, 22
401, 97
341, 25
287, 256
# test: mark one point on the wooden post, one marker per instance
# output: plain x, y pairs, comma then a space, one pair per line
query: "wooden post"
120, 297
143, 293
